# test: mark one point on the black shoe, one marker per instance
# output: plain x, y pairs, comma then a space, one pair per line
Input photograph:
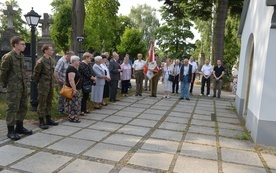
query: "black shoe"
219, 96
181, 98
173, 92
42, 125
116, 100
136, 94
214, 95
113, 101
11, 134
152, 96
140, 94
21, 130
49, 121
188, 99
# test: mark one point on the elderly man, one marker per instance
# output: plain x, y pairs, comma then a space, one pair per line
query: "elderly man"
194, 64
186, 75
59, 73
138, 66
114, 69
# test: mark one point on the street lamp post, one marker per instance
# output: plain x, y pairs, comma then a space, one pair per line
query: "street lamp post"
32, 19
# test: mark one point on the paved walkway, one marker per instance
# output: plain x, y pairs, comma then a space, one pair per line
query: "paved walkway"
143, 135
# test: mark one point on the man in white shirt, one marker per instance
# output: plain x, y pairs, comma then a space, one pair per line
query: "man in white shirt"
206, 71
138, 74
194, 64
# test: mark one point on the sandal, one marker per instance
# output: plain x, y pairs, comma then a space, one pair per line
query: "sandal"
104, 104
74, 120
82, 113
87, 112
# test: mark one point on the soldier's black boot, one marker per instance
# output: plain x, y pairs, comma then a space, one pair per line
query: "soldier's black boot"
11, 134
49, 121
42, 125
21, 130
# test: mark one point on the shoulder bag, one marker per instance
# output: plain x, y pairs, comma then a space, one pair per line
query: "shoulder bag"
67, 92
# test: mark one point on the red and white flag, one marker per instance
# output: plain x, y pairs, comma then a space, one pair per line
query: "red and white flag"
151, 68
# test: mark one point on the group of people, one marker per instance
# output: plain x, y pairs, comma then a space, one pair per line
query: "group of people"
94, 74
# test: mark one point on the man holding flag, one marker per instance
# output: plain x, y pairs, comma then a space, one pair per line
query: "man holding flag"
152, 70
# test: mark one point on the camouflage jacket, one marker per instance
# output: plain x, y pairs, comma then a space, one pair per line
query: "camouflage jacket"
44, 72
13, 75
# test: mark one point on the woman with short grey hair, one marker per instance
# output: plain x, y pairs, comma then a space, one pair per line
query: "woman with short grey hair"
97, 90
73, 79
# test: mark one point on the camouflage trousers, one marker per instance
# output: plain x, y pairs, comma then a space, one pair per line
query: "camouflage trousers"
17, 106
45, 97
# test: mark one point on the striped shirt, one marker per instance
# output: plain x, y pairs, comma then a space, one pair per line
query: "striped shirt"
61, 68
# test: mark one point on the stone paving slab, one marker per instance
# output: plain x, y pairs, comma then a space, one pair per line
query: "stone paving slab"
202, 130
107, 151
200, 139
199, 151
241, 157
230, 133
42, 162
10, 154
194, 165
61, 130
236, 144
130, 114
234, 168
152, 159
142, 122
121, 139
150, 117
167, 134
134, 130
270, 160
81, 166
117, 119
106, 126
180, 114
71, 145
89, 134
161, 145
173, 126
177, 120
128, 170
39, 140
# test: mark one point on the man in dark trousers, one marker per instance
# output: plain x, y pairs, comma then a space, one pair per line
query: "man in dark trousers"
114, 69
218, 73
186, 75
13, 77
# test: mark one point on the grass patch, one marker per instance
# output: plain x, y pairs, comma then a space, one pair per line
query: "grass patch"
244, 136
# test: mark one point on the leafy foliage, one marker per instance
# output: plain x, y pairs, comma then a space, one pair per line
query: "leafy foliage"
100, 23
144, 18
61, 28
173, 33
132, 43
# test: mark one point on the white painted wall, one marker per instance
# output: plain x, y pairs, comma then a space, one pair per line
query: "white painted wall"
258, 23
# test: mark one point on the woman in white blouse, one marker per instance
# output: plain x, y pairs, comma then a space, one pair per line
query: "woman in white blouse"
125, 76
167, 70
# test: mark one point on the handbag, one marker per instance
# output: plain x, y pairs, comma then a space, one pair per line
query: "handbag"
67, 91
87, 88
171, 78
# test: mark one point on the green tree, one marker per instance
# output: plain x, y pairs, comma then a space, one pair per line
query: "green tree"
18, 23
171, 36
61, 28
100, 22
132, 43
144, 18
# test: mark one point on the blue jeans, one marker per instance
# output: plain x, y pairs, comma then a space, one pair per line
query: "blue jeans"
184, 87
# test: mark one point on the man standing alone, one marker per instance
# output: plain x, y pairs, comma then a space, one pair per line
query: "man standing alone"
44, 78
206, 71
218, 73
138, 66
13, 77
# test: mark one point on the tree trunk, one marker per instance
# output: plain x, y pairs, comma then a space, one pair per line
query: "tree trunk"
220, 28
78, 15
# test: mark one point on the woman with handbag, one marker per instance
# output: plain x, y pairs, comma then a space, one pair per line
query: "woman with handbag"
97, 90
73, 79
88, 79
168, 77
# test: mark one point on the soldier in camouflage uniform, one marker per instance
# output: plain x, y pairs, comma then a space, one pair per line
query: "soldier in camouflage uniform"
13, 77
44, 77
